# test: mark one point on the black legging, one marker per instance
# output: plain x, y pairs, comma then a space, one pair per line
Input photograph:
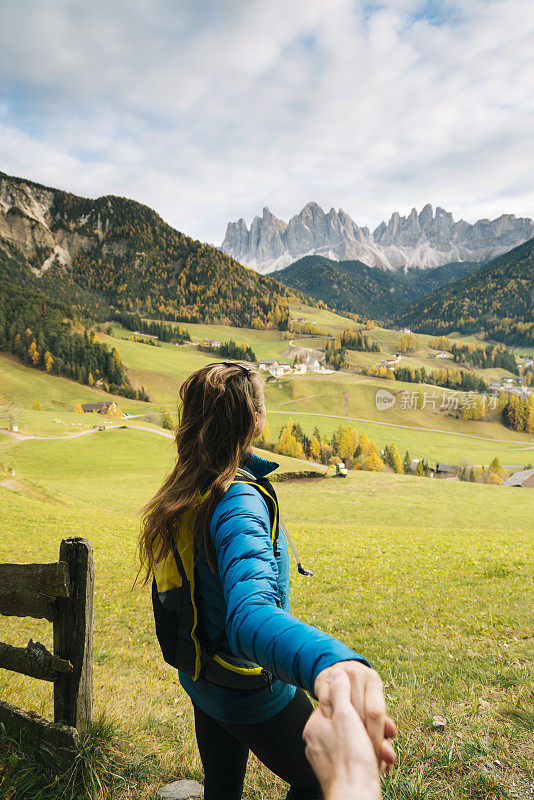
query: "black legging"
277, 743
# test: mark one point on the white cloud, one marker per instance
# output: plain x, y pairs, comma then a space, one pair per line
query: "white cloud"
208, 111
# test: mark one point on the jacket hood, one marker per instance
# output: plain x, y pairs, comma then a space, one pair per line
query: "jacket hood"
260, 467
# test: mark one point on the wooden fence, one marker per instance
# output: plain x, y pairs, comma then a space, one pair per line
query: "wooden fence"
61, 592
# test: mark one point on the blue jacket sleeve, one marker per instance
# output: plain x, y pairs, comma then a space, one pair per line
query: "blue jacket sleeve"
256, 626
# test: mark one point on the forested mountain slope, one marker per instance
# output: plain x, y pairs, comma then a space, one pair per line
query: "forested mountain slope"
497, 298
355, 287
116, 254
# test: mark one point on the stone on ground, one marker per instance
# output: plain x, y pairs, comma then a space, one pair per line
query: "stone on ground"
181, 790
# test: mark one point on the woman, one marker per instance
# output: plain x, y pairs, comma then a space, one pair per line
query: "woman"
239, 596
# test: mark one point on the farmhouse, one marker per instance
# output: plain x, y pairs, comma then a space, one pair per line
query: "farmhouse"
211, 343
440, 354
447, 470
267, 364
299, 369
313, 365
524, 478
99, 408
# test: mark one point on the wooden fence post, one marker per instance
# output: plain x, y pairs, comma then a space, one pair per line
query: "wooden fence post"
73, 637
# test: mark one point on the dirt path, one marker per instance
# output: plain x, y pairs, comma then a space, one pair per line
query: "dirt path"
287, 402
22, 436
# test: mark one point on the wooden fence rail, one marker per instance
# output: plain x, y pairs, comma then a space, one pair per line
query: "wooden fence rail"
61, 592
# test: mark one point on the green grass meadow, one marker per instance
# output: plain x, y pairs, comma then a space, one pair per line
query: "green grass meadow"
432, 580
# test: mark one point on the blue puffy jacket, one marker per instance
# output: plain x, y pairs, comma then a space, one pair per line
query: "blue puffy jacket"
248, 597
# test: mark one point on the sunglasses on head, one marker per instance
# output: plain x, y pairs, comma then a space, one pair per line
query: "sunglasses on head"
246, 370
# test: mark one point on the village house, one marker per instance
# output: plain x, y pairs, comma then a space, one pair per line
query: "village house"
440, 354
267, 364
523, 478
211, 343
447, 470
299, 369
100, 408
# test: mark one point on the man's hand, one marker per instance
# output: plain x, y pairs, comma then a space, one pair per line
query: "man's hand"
367, 697
338, 747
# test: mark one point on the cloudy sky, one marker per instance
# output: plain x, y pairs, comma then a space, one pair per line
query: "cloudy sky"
207, 110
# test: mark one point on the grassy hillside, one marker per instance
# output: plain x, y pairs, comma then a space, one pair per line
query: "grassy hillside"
311, 400
429, 579
302, 397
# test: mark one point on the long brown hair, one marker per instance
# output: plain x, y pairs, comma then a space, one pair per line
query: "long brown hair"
216, 426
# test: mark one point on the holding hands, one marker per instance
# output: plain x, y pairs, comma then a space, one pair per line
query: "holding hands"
347, 737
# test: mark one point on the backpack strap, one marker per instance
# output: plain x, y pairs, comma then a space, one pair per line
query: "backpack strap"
264, 487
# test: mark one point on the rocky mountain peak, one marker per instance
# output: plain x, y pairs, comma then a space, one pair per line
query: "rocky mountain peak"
421, 239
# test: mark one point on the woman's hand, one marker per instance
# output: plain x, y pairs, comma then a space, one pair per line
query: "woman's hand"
338, 747
367, 697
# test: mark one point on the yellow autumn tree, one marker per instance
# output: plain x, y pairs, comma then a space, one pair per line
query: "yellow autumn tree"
396, 459
287, 444
347, 442
48, 360
365, 443
315, 449
373, 462
529, 416
33, 353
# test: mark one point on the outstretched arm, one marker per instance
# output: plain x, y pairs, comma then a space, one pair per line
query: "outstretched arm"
260, 630
256, 626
